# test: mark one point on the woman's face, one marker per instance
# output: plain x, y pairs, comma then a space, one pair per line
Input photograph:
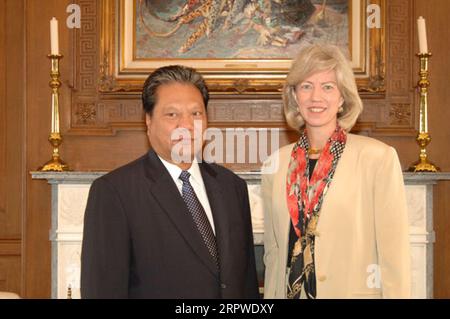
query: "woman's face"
319, 99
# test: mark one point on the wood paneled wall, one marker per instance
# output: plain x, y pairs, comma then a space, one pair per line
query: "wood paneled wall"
25, 125
12, 143
437, 12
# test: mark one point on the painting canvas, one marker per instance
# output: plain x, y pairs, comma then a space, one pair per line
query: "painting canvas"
236, 29
240, 46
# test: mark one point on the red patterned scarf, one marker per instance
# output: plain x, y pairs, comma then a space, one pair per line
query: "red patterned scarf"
304, 199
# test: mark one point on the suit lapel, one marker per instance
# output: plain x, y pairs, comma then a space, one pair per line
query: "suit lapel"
220, 213
166, 193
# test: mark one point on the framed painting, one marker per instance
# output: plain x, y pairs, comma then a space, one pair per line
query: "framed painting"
240, 46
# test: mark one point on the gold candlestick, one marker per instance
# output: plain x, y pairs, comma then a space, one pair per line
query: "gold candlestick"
423, 138
55, 139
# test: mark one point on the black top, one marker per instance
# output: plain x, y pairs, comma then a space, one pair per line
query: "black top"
292, 234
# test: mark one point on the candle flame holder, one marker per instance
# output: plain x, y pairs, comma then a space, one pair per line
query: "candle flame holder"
55, 138
423, 137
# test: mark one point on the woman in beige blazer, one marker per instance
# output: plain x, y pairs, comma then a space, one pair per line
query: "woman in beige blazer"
335, 210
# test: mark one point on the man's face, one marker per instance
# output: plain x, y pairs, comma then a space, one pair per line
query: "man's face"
177, 106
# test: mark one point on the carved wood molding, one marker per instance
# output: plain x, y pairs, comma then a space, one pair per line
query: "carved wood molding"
400, 107
10, 247
388, 96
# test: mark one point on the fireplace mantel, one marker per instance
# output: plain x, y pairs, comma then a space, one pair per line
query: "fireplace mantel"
69, 197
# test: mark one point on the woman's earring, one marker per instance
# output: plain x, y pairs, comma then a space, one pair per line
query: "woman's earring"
341, 108
295, 97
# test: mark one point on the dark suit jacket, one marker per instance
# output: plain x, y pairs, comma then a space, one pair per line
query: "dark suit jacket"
140, 240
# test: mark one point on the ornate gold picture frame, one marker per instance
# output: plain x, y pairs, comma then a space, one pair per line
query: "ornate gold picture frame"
123, 70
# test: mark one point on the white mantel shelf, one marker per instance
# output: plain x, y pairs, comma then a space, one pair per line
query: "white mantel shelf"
89, 176
69, 196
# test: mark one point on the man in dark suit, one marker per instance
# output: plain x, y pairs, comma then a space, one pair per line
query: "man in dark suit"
169, 225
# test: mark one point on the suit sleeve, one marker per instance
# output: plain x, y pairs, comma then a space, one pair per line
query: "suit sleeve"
392, 228
270, 244
251, 279
105, 251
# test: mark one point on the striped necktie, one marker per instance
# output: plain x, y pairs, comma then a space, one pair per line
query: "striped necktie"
199, 216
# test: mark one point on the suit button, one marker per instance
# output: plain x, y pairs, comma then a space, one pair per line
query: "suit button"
322, 278
223, 286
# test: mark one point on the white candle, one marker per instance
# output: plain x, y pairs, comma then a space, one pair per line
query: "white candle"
423, 46
54, 42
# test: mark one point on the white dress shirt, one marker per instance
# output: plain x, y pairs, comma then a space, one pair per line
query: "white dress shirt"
196, 181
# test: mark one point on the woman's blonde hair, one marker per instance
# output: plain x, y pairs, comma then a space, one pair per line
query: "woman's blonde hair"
318, 58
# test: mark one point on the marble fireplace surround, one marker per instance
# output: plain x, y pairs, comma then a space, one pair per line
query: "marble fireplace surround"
69, 196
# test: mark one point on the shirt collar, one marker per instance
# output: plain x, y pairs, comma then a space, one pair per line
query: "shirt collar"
175, 171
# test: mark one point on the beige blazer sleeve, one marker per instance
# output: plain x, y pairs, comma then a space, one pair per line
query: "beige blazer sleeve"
391, 227
270, 244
